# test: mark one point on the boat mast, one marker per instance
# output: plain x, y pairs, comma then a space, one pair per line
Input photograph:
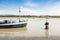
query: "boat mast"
19, 14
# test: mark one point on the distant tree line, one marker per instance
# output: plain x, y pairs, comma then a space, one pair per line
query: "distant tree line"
42, 16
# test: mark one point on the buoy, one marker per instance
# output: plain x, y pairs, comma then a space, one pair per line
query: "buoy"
46, 25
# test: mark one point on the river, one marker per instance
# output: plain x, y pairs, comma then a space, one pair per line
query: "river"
35, 28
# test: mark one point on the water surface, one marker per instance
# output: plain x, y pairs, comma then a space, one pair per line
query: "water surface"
35, 28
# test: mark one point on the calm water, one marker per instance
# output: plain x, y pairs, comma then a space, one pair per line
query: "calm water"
34, 28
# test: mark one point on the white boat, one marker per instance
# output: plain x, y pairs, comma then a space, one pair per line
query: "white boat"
7, 24
12, 24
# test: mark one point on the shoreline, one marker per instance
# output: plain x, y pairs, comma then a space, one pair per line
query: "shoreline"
29, 17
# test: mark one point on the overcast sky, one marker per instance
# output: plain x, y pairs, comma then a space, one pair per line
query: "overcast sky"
30, 7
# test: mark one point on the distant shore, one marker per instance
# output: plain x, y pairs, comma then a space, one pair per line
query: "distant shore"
29, 16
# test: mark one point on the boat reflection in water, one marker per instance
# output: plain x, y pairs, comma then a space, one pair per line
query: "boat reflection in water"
13, 31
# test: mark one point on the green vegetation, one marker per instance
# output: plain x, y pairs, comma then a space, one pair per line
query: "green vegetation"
42, 16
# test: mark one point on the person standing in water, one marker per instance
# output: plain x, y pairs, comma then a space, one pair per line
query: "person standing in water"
46, 23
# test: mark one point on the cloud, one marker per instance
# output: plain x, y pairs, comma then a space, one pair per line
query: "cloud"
28, 11
30, 4
1, 11
8, 12
53, 9
31, 8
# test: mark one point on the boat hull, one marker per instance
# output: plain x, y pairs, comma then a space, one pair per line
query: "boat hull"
13, 25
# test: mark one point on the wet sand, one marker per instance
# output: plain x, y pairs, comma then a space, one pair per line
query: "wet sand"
24, 35
29, 38
22, 38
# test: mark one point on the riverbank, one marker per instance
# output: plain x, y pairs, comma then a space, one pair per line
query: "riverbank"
29, 16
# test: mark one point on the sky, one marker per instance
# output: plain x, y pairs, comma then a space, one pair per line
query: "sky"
30, 7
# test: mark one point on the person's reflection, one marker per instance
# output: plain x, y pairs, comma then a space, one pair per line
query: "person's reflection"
46, 33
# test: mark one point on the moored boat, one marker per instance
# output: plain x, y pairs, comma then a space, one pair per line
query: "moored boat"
7, 24
12, 24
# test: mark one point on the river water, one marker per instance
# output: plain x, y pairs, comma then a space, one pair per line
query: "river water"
35, 28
